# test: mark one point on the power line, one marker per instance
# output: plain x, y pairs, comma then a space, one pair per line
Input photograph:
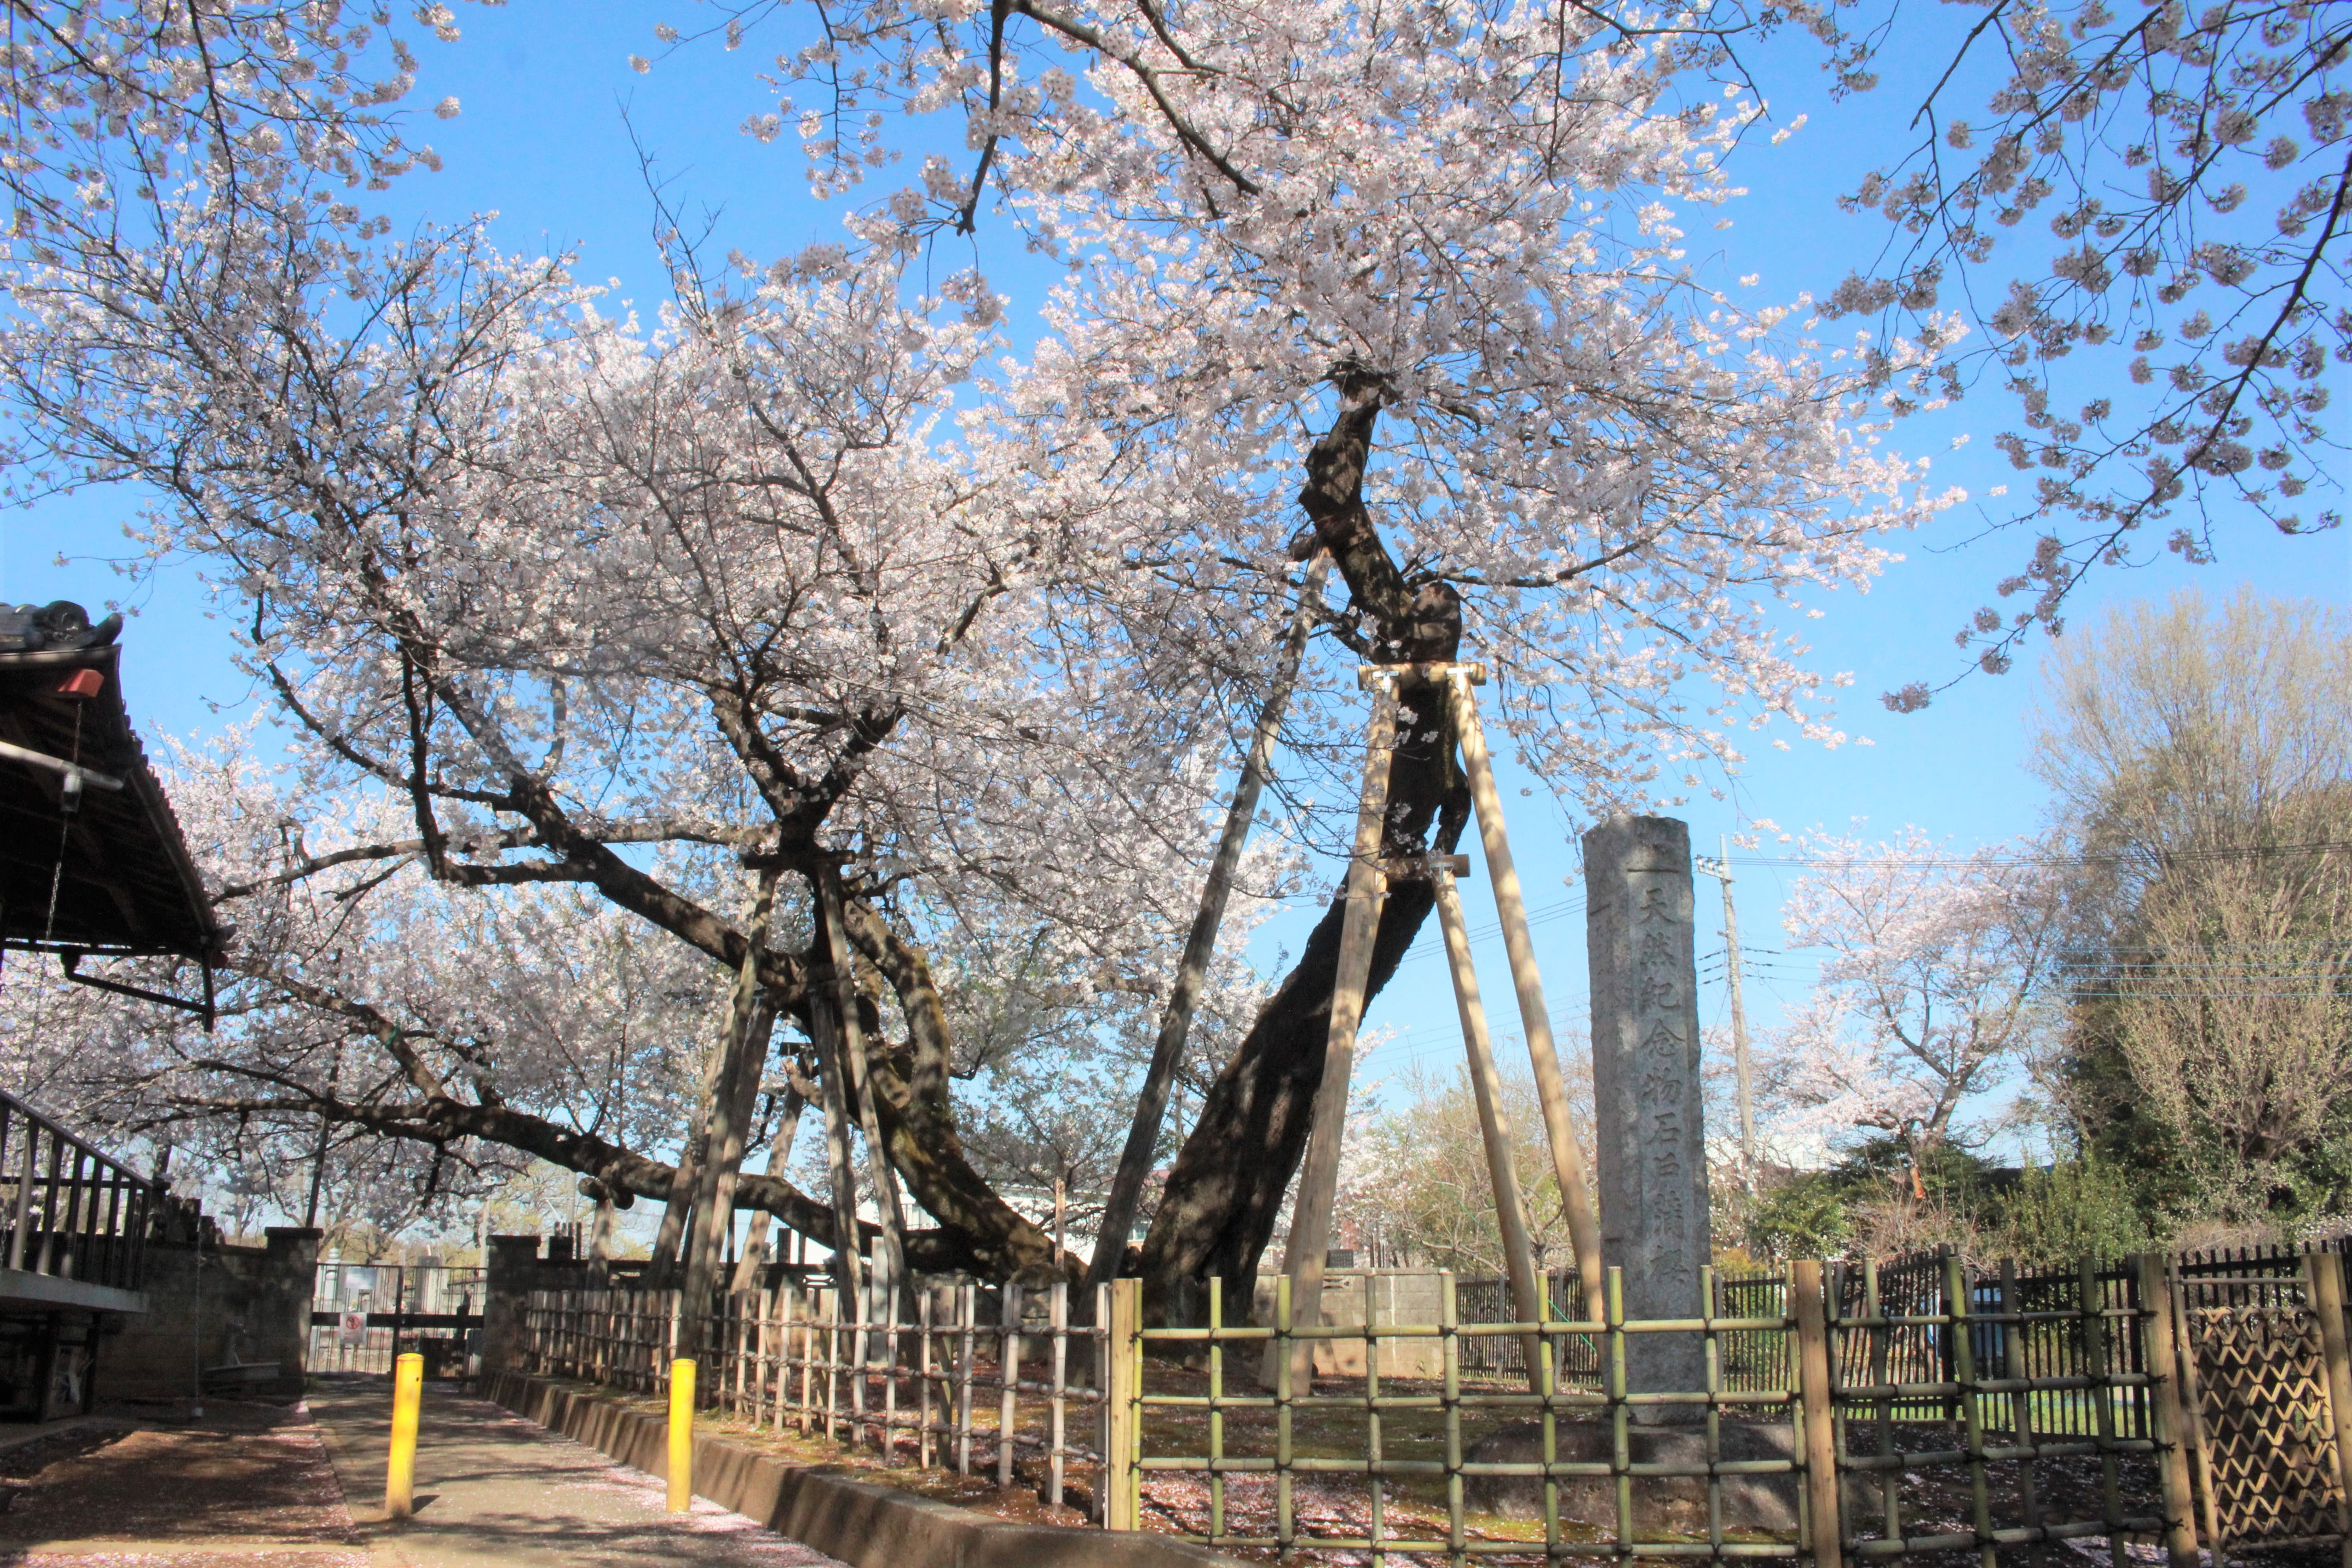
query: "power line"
1993, 861
2249, 967
2213, 996
1423, 949
2286, 941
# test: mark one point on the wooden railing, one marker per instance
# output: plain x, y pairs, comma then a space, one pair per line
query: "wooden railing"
66, 1209
975, 1379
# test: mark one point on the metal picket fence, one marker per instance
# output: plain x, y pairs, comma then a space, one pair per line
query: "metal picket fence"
1489, 1301
363, 1315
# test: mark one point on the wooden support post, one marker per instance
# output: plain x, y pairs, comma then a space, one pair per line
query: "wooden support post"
727, 1113
1494, 1127
967, 1321
1817, 1403
839, 1162
2161, 1358
1535, 1018
2099, 1365
1099, 1373
2193, 1400
1008, 1396
1122, 1457
1200, 943
850, 1039
1874, 1309
1057, 1444
918, 1370
1957, 1290
1310, 1226
2323, 1282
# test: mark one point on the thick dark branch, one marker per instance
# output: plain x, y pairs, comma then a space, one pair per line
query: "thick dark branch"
309, 865
438, 1119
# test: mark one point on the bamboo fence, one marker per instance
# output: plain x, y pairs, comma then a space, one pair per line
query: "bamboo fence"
972, 1379
1915, 1409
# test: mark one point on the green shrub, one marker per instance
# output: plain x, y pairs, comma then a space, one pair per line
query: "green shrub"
1801, 1216
2075, 1209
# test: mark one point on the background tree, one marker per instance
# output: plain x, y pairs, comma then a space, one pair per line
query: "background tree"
2233, 1014
2200, 759
1048, 1123
1415, 1189
1934, 990
1867, 1204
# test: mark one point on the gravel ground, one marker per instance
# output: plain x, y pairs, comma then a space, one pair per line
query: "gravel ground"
161, 1487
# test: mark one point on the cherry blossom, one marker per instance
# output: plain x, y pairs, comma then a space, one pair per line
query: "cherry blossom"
1934, 989
814, 567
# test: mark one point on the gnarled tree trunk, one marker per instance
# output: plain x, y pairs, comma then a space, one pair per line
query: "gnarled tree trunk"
1226, 1189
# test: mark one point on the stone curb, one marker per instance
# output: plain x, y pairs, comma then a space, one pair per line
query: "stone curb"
864, 1525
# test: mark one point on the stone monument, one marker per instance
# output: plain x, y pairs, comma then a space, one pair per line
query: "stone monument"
1651, 1147
1648, 1129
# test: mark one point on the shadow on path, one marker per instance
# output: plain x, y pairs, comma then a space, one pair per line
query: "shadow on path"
491, 1486
162, 1488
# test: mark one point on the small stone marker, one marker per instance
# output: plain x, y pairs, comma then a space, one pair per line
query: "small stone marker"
1648, 1129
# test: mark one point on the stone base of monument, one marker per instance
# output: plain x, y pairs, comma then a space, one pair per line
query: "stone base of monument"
1664, 1507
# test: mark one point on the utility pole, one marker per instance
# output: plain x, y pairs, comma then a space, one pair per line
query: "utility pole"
1719, 868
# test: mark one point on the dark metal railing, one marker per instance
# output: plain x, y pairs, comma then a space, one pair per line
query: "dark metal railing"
363, 1315
66, 1209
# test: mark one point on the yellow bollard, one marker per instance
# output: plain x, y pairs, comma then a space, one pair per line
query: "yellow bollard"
400, 1471
681, 1436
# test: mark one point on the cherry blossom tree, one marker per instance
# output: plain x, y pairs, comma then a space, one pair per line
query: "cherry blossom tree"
235, 105
366, 1013
2163, 340
2146, 209
1424, 271
110, 96
1935, 986
806, 574
452, 619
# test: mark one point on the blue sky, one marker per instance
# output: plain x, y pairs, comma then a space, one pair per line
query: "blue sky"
544, 141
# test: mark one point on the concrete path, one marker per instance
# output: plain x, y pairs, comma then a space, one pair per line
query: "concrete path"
492, 1487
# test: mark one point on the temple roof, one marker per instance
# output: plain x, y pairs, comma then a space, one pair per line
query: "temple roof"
123, 881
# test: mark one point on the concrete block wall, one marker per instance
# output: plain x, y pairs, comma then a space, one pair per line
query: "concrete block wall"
1353, 1297
209, 1304
515, 1270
